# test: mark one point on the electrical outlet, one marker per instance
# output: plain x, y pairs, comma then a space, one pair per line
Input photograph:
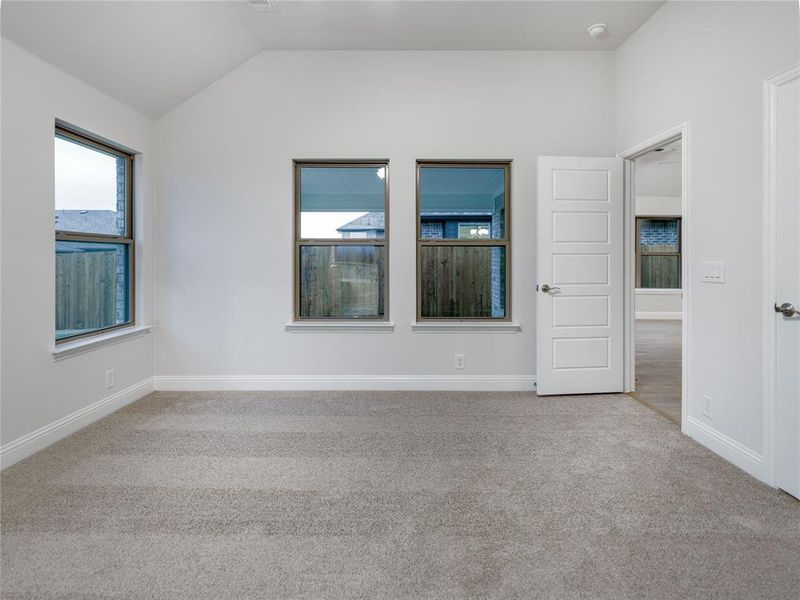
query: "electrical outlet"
110, 378
708, 406
713, 271
459, 361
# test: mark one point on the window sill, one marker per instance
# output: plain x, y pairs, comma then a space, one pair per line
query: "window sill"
340, 327
658, 291
88, 344
465, 327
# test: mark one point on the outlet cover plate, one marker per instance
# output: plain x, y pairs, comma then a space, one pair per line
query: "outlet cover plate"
708, 406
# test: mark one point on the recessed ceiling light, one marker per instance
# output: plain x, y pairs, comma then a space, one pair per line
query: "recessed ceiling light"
598, 31
262, 6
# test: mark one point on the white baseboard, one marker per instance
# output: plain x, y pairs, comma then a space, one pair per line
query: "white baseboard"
660, 316
481, 383
30, 443
741, 456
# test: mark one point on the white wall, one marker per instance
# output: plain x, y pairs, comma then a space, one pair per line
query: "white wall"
226, 202
704, 63
37, 391
658, 304
658, 206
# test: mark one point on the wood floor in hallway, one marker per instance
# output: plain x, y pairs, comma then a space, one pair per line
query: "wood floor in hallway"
658, 366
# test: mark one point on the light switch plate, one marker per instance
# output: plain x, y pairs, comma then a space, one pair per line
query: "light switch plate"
713, 271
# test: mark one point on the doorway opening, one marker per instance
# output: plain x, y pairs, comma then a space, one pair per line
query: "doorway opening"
656, 274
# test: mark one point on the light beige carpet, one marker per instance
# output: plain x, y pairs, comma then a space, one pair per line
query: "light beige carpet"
391, 495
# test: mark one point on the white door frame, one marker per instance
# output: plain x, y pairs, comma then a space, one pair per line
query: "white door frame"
681, 132
770, 367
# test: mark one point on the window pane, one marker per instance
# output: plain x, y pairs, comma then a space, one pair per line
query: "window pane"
659, 250
342, 202
661, 272
659, 236
90, 189
463, 281
341, 281
92, 283
462, 202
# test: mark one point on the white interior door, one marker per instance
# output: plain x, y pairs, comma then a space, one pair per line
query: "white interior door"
579, 300
787, 280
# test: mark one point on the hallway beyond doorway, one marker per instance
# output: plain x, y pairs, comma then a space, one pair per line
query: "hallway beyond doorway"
658, 367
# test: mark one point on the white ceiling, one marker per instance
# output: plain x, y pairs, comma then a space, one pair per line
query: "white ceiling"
150, 55
155, 55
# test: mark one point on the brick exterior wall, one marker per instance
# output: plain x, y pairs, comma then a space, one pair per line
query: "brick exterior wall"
659, 233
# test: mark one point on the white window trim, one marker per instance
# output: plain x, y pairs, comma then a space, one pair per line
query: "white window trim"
465, 327
101, 340
339, 327
658, 291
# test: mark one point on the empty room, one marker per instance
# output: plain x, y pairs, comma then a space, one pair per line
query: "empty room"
400, 299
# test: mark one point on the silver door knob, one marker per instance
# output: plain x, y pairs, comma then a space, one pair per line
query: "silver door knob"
549, 288
787, 309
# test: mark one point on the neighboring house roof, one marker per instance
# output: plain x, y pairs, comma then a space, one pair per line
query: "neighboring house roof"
90, 221
368, 222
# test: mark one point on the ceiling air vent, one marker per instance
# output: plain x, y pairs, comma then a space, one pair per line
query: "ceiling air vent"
262, 6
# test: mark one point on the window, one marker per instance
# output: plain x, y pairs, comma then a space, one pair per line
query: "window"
94, 236
341, 233
463, 241
658, 252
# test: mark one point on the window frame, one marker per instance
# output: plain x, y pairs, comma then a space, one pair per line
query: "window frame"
298, 242
639, 253
65, 132
504, 242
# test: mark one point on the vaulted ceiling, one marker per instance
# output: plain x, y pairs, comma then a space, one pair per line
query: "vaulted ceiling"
155, 55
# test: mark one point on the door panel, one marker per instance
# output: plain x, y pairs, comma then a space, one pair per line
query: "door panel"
577, 311
580, 353
580, 269
580, 324
787, 269
580, 184
580, 227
